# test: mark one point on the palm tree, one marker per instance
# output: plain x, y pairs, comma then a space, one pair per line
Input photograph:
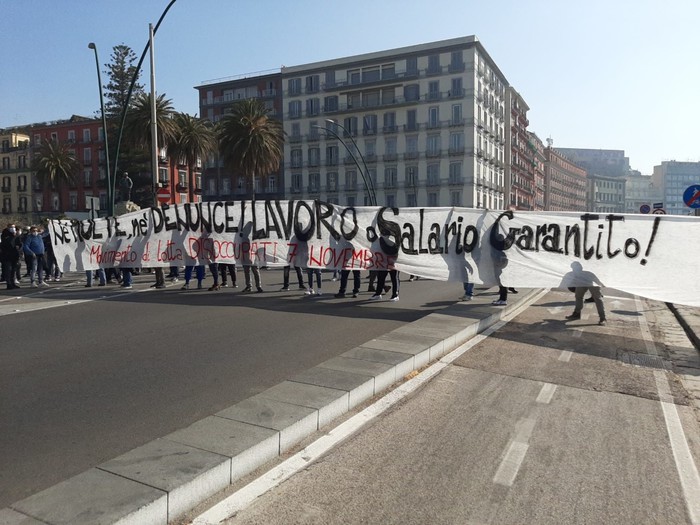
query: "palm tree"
55, 166
251, 141
137, 128
195, 139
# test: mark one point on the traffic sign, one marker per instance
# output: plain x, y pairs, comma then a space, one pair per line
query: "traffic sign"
644, 208
691, 196
659, 211
163, 195
658, 205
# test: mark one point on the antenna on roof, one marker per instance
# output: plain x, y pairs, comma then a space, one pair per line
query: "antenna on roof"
550, 141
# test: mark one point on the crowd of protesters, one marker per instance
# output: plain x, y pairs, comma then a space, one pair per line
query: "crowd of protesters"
32, 247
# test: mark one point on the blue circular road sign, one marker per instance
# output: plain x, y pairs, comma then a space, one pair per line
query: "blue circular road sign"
644, 208
691, 196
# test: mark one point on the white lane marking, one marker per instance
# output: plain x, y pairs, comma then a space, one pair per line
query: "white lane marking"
555, 310
685, 463
565, 355
578, 332
240, 499
510, 466
546, 393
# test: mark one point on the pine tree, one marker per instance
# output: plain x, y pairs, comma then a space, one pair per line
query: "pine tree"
120, 71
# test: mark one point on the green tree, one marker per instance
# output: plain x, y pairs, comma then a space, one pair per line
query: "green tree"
137, 133
251, 141
55, 166
120, 71
195, 139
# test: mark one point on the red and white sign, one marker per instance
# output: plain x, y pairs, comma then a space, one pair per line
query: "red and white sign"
163, 195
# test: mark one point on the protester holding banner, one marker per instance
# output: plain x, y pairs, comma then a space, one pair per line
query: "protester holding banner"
256, 275
310, 273
231, 270
188, 276
357, 282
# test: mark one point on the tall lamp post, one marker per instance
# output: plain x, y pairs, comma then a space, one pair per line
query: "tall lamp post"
369, 187
92, 46
128, 96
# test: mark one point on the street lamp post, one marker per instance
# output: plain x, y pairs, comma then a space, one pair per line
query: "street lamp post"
370, 182
92, 46
369, 188
128, 96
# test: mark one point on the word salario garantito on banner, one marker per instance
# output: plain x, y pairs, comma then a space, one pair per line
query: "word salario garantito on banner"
621, 250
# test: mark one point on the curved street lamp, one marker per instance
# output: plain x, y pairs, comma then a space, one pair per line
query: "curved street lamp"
92, 46
370, 182
369, 188
128, 98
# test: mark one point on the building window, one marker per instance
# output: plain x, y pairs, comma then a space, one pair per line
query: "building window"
354, 76
296, 158
434, 90
330, 78
456, 114
314, 182
22, 183
226, 186
370, 74
87, 177
314, 156
455, 172
457, 143
73, 201
433, 175
332, 181
369, 125
350, 201
312, 84
412, 65
330, 103
331, 155
71, 135
294, 86
163, 175
411, 120
434, 64
411, 176
351, 180
391, 200
432, 199
411, 92
87, 155
350, 124
295, 109
7, 205
434, 117
313, 107
389, 122
86, 135
433, 145
456, 198
390, 179
411, 200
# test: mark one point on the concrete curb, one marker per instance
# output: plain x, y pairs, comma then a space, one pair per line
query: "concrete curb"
161, 480
683, 321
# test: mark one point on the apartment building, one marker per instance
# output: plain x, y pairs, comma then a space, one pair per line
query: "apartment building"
538, 161
605, 162
422, 125
216, 98
640, 192
15, 174
520, 161
86, 137
606, 194
673, 178
565, 183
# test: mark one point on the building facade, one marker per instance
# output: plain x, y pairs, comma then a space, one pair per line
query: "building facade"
86, 138
215, 101
422, 125
605, 162
538, 160
520, 157
673, 178
15, 175
640, 192
565, 183
606, 194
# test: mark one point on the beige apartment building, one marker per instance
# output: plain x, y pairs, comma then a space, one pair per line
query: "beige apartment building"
422, 125
15, 175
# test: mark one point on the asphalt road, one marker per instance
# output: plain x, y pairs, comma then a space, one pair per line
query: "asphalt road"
88, 374
544, 422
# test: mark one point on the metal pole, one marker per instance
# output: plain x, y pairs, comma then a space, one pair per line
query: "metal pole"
128, 98
110, 211
154, 123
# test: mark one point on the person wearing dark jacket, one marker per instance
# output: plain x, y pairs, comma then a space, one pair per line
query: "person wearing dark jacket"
9, 256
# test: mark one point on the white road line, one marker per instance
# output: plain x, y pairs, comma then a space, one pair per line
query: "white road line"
546, 393
509, 467
685, 463
578, 332
565, 355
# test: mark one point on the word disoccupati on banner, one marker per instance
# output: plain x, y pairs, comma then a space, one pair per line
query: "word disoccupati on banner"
651, 256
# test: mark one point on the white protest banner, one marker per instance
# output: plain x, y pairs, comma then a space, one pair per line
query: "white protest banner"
651, 256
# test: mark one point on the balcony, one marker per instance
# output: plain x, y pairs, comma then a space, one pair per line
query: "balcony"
313, 189
390, 157
348, 160
351, 187
456, 150
411, 155
22, 188
456, 67
432, 182
456, 93
434, 70
331, 188
6, 189
411, 127
390, 129
182, 186
295, 189
293, 139
456, 180
436, 124
369, 132
332, 162
454, 123
433, 153
410, 183
390, 184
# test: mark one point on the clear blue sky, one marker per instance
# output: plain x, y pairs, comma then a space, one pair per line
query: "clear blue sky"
611, 74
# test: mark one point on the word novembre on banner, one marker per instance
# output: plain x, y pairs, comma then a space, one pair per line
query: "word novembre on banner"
630, 252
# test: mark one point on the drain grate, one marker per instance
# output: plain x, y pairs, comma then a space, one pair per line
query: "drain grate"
646, 360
